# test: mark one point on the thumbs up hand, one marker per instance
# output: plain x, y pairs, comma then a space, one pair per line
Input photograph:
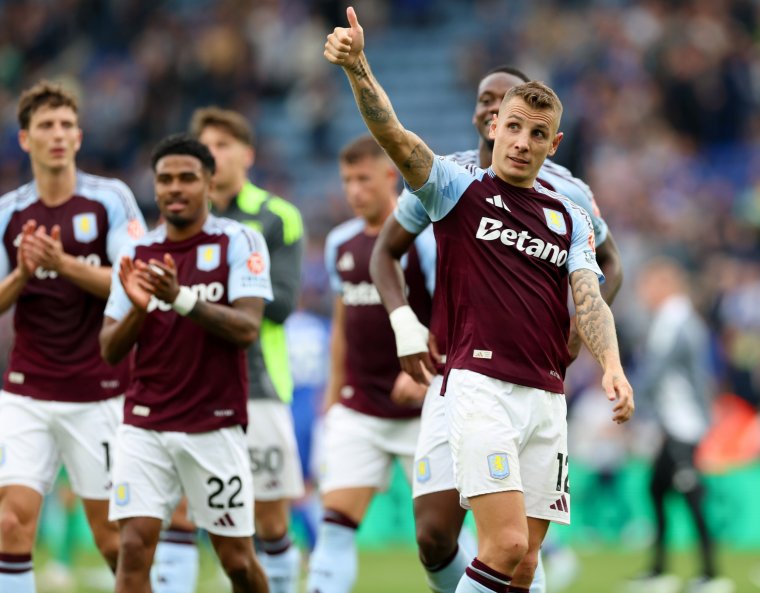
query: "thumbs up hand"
345, 45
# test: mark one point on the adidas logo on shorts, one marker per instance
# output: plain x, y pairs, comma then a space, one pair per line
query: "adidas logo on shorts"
224, 521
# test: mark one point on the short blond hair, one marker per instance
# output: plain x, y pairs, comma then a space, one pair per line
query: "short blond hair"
536, 95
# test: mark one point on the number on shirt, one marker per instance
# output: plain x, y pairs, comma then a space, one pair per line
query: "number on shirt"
234, 483
563, 461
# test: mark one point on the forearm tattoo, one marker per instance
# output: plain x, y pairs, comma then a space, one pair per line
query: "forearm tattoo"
592, 315
420, 158
359, 69
372, 107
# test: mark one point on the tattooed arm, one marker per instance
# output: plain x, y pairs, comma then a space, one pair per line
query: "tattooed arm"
345, 47
596, 326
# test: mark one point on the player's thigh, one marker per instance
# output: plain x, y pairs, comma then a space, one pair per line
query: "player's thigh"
438, 518
544, 458
353, 456
29, 454
433, 466
215, 474
485, 435
501, 523
145, 481
273, 451
86, 434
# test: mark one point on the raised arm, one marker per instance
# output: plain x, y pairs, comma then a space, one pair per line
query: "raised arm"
345, 47
596, 326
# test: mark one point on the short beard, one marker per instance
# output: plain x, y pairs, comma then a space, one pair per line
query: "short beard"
177, 221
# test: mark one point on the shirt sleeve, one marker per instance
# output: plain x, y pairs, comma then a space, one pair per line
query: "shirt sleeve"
445, 186
285, 272
248, 258
410, 213
331, 256
125, 221
118, 304
582, 253
427, 252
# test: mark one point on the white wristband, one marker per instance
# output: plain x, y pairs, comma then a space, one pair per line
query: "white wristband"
411, 335
185, 301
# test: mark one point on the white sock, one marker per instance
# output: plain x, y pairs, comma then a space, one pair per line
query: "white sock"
334, 563
175, 565
445, 578
16, 574
281, 561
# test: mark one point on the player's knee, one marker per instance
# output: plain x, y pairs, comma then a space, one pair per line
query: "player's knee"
12, 530
510, 546
237, 565
133, 552
271, 526
435, 541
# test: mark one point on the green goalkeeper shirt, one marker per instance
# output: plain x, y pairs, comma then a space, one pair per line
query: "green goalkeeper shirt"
280, 223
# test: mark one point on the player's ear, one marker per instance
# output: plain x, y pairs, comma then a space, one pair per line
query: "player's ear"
250, 157
23, 140
492, 129
555, 143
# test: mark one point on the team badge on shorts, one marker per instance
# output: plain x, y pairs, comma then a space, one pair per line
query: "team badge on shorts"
85, 227
498, 465
2, 455
555, 221
121, 494
423, 470
208, 257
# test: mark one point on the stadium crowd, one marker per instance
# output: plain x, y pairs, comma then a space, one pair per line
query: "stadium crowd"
660, 119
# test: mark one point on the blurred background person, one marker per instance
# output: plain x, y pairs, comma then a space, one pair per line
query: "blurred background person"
673, 380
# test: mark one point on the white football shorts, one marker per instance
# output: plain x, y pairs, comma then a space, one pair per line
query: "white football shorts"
153, 470
433, 466
358, 449
508, 437
273, 451
36, 436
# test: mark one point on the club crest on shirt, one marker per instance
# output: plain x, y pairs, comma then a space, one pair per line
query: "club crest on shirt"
2, 455
85, 227
423, 470
498, 465
208, 257
121, 494
555, 221
346, 262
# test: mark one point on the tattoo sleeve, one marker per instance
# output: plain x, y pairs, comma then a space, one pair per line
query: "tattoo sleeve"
593, 317
410, 154
420, 159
